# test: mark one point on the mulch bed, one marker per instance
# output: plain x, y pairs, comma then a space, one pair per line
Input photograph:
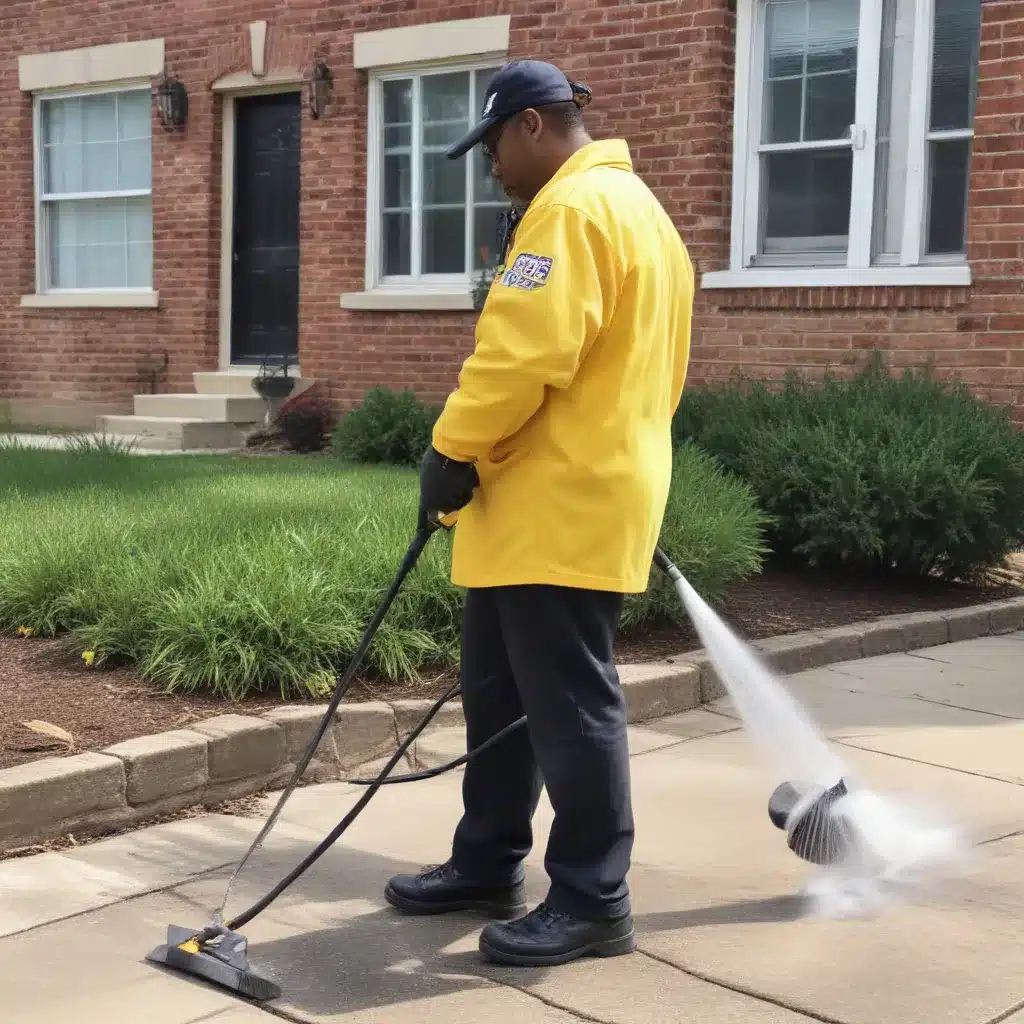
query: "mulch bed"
40, 681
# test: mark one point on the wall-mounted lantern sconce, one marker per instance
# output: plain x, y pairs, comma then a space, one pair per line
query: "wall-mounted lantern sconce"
319, 83
172, 102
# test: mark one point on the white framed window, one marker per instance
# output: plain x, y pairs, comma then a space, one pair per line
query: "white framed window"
853, 129
432, 223
93, 173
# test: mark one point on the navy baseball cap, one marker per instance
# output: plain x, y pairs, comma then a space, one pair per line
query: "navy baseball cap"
519, 85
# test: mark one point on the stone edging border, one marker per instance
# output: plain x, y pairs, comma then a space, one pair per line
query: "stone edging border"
232, 756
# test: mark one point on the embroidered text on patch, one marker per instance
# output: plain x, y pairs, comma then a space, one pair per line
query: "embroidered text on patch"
529, 272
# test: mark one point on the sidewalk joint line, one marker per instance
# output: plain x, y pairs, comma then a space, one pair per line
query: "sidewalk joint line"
999, 839
1006, 1013
741, 990
679, 741
130, 898
960, 707
547, 1001
930, 764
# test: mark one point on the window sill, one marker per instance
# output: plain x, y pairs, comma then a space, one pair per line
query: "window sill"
93, 300
937, 276
395, 299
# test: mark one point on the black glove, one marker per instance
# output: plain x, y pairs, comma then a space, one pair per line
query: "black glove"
446, 485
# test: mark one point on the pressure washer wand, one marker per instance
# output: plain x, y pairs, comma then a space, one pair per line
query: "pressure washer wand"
426, 526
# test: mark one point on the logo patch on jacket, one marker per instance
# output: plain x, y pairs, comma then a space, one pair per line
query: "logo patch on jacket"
529, 272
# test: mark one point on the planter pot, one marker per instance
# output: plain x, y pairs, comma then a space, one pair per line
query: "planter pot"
274, 387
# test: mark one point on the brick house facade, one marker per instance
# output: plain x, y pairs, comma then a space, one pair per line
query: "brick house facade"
848, 175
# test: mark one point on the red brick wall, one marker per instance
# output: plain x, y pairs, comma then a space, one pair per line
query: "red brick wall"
662, 76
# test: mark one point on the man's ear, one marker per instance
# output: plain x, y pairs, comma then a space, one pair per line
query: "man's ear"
532, 122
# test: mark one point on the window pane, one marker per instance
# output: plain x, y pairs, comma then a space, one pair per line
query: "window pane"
955, 63
100, 167
783, 114
949, 168
398, 136
832, 35
134, 164
807, 201
61, 121
63, 169
87, 239
140, 265
139, 233
102, 266
830, 104
440, 135
139, 220
99, 118
397, 182
446, 98
444, 242
398, 102
811, 69
787, 38
397, 248
133, 115
444, 180
62, 145
893, 126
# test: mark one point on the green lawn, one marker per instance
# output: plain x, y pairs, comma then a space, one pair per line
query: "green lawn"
240, 574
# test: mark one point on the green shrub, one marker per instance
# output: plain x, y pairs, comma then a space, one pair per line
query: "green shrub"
242, 575
876, 472
391, 427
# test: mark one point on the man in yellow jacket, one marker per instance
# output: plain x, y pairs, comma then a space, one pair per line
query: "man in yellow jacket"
555, 452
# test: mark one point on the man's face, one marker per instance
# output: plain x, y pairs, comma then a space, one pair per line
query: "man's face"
513, 147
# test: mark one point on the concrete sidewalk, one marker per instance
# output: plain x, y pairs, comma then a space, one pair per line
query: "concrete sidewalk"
722, 937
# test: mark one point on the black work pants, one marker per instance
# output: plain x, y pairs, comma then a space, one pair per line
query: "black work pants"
546, 652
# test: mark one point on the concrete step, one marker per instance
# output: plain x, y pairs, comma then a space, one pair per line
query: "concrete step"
239, 382
215, 408
175, 433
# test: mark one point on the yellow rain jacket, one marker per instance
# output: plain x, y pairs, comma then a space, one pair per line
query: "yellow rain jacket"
566, 402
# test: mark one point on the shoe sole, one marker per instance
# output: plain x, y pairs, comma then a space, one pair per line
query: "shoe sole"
498, 911
619, 946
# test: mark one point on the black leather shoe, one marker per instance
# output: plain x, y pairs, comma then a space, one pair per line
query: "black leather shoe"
546, 937
441, 890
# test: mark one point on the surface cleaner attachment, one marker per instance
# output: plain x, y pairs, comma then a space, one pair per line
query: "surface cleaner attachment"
816, 831
221, 959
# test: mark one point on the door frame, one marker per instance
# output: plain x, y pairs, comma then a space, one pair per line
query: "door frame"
249, 86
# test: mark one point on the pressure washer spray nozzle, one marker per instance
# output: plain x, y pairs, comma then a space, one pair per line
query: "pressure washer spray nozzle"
816, 831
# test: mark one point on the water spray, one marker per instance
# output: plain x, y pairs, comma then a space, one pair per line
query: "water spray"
863, 840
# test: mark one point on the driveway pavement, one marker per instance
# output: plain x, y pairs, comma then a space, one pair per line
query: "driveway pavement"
722, 935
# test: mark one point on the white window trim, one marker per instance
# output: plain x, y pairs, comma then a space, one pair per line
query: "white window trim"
435, 291
912, 269
46, 297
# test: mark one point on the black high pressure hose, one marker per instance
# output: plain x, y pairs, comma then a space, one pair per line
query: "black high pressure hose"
426, 528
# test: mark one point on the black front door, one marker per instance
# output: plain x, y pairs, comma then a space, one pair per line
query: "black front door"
265, 260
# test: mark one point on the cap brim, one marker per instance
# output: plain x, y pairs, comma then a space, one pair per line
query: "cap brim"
473, 138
